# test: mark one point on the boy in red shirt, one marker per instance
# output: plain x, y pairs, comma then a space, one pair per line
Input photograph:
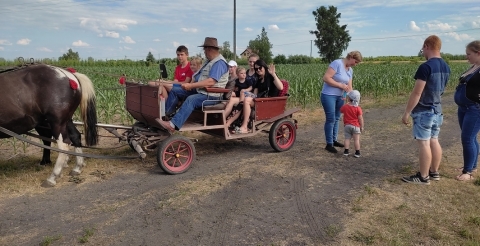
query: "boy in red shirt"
353, 121
183, 73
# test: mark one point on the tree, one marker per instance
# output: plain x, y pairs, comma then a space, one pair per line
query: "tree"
332, 39
262, 46
225, 51
300, 59
69, 56
150, 59
280, 59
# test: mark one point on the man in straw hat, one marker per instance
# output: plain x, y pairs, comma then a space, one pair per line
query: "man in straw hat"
214, 73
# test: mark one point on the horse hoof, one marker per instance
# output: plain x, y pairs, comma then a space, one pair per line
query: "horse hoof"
48, 184
74, 173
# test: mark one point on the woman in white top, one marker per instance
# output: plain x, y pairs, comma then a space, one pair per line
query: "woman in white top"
336, 81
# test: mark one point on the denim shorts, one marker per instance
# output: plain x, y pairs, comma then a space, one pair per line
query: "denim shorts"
249, 94
426, 125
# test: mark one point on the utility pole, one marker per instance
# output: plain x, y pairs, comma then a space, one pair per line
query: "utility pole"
311, 44
234, 30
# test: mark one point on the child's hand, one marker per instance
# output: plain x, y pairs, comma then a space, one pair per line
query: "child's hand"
362, 130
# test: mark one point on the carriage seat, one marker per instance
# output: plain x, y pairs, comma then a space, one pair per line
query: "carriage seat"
227, 92
229, 89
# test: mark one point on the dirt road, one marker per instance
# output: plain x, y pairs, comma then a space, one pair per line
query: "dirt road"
238, 192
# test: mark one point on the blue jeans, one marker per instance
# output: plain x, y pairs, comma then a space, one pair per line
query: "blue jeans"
469, 120
193, 100
426, 124
331, 106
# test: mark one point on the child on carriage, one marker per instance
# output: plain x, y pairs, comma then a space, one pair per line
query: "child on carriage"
183, 73
268, 85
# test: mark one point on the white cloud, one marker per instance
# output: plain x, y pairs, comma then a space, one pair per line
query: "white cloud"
459, 37
273, 27
101, 25
112, 34
24, 41
128, 40
118, 24
175, 44
192, 30
413, 26
1, 48
126, 48
152, 50
4, 42
79, 43
45, 49
248, 29
157, 40
438, 26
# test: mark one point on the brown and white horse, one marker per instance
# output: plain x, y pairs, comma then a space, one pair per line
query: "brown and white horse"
44, 98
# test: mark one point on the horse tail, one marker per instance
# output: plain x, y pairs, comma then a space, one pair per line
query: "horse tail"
88, 109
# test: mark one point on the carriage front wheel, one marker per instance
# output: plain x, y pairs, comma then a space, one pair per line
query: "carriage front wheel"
282, 135
175, 154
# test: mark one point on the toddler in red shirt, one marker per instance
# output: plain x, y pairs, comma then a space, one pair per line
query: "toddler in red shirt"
353, 121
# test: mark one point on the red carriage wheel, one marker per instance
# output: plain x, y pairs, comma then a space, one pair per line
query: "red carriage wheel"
175, 154
282, 135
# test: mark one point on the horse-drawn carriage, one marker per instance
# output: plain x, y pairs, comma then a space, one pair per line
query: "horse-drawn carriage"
175, 152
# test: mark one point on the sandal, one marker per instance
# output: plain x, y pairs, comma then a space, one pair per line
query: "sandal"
464, 177
461, 169
239, 131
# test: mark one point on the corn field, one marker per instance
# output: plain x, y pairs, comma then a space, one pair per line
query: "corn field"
374, 81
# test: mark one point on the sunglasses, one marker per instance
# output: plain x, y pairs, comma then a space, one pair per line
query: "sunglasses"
257, 68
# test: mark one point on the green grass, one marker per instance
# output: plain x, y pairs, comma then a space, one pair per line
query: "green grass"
87, 234
48, 240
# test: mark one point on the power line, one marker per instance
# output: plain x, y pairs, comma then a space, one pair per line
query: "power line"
390, 37
408, 36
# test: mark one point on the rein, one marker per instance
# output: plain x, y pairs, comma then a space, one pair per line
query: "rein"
17, 136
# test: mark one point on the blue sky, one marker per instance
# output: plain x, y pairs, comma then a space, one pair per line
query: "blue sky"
115, 29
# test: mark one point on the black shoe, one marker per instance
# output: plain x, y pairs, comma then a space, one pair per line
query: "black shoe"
346, 152
357, 153
434, 175
331, 149
417, 179
337, 144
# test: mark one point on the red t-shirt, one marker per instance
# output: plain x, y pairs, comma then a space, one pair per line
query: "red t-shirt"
350, 114
181, 74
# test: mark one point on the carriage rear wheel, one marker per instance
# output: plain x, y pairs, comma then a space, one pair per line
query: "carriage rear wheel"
282, 135
175, 154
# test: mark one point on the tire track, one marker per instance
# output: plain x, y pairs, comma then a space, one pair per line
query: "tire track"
231, 199
306, 214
